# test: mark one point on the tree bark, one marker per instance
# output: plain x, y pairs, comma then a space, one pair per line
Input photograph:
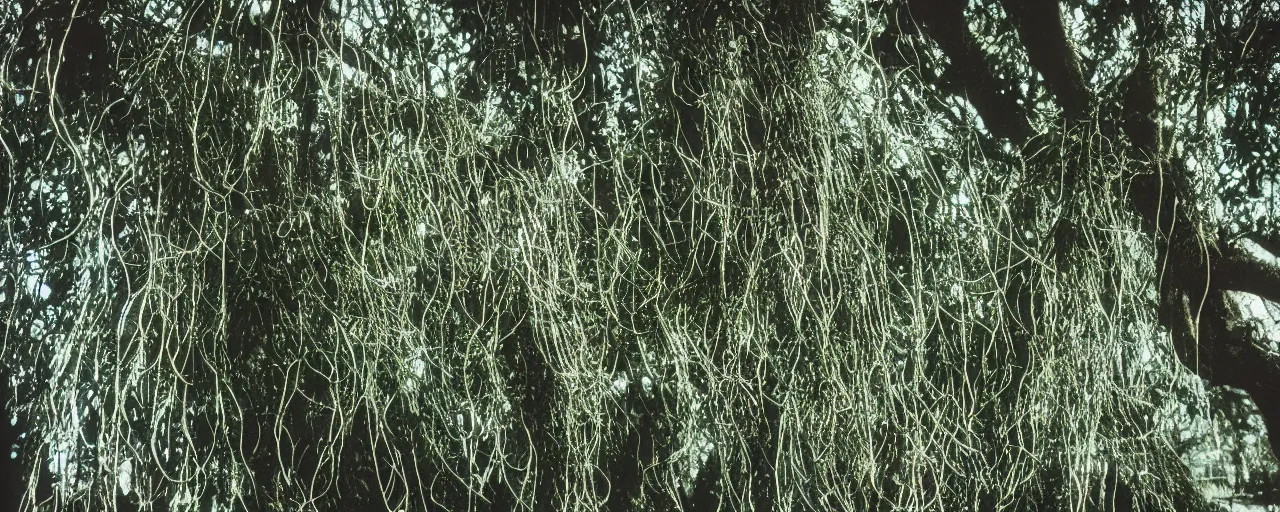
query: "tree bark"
1041, 30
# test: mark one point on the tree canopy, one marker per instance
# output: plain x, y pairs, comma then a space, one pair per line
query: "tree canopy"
639, 254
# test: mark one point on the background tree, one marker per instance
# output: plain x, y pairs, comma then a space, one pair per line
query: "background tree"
646, 255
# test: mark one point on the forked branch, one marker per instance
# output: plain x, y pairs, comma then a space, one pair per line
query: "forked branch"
944, 22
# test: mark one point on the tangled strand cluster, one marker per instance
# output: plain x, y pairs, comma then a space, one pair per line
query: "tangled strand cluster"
334, 271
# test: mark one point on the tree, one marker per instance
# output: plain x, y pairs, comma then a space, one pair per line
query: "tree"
1202, 263
630, 255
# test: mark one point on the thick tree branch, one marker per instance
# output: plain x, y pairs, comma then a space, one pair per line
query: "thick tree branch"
944, 22
1138, 112
1199, 270
1159, 187
1269, 242
1040, 27
1209, 338
1245, 271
